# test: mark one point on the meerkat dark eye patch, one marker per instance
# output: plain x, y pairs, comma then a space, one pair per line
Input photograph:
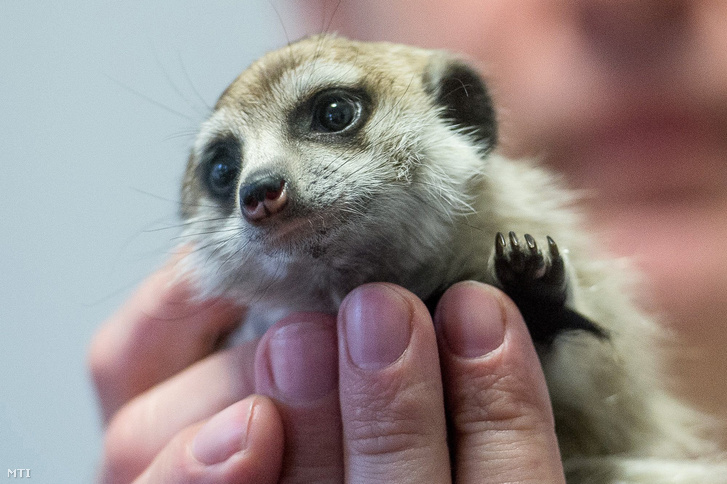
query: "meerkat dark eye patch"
465, 100
220, 169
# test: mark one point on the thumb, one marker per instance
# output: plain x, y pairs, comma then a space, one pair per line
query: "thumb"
241, 444
502, 420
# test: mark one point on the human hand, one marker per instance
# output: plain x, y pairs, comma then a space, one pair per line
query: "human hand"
385, 422
402, 381
159, 378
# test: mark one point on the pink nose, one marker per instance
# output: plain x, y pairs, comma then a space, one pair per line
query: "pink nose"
263, 197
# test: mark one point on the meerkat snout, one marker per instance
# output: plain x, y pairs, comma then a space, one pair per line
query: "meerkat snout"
263, 195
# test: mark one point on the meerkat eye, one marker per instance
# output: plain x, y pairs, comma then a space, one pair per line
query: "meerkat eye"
335, 112
222, 169
221, 177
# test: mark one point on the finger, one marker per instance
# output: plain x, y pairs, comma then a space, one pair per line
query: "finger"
142, 427
241, 444
297, 366
502, 421
159, 331
394, 428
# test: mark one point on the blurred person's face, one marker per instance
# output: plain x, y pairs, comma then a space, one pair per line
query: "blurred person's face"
626, 96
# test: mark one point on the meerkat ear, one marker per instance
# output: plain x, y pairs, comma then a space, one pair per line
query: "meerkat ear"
463, 95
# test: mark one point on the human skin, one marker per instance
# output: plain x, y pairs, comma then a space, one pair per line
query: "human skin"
628, 100
355, 398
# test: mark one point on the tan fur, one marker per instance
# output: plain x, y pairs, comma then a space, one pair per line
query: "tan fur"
412, 200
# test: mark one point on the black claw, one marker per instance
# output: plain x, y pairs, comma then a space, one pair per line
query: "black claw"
556, 273
499, 245
514, 241
553, 247
532, 245
518, 258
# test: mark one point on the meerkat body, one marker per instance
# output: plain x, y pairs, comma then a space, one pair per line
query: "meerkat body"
332, 163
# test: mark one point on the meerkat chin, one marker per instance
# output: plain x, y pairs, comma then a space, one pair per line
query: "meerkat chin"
331, 163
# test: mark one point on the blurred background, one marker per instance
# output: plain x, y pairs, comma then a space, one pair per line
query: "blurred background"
99, 102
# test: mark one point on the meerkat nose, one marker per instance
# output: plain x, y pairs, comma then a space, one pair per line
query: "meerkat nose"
262, 196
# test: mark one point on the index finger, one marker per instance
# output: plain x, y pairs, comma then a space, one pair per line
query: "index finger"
159, 331
502, 421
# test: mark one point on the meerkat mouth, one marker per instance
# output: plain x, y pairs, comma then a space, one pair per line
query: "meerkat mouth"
292, 230
297, 234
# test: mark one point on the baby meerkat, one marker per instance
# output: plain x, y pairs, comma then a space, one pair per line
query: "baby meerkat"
331, 163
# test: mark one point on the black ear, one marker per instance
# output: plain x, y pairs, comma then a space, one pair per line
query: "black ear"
462, 94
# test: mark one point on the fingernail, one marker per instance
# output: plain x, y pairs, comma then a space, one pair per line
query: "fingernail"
225, 434
304, 360
377, 321
472, 320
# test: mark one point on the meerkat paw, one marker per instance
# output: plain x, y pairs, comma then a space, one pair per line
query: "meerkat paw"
525, 272
538, 284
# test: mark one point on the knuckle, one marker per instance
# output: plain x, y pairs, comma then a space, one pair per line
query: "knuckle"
125, 458
394, 422
496, 405
113, 346
122, 460
384, 437
125, 431
128, 447
118, 348
101, 358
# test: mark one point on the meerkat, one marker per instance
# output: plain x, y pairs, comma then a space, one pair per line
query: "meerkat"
331, 163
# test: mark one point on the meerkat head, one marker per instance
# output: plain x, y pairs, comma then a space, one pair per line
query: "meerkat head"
351, 155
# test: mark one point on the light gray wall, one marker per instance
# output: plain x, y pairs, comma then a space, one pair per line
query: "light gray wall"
90, 164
